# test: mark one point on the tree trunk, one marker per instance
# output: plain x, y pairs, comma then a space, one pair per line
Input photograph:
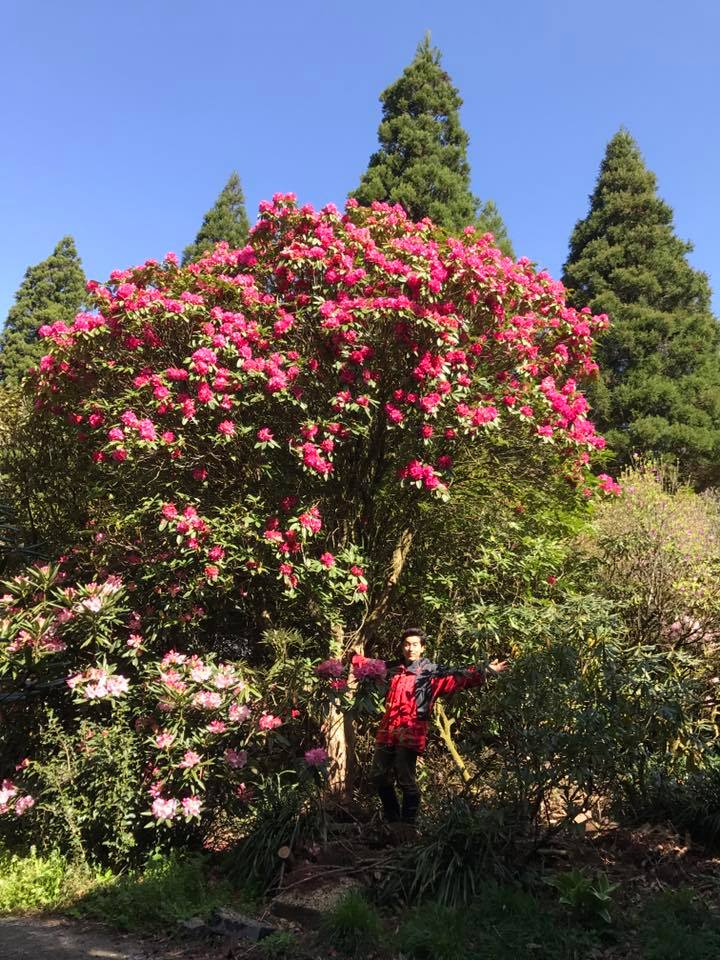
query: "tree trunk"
339, 728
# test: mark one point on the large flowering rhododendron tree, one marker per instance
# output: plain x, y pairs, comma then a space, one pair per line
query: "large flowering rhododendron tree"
258, 434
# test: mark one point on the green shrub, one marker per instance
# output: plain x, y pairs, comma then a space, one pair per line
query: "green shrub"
589, 898
677, 924
281, 945
434, 932
451, 860
284, 811
87, 783
353, 926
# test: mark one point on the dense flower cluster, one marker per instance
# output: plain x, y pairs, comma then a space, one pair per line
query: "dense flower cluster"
98, 683
328, 337
365, 668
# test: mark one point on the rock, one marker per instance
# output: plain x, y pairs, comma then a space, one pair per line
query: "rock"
229, 923
194, 924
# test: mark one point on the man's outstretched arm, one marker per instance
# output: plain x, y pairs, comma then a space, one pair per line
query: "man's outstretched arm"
449, 681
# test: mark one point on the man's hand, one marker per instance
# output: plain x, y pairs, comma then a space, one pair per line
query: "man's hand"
497, 666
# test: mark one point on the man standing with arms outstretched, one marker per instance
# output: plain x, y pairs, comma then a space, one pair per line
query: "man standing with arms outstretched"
414, 685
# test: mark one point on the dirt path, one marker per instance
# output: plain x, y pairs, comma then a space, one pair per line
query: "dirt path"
55, 938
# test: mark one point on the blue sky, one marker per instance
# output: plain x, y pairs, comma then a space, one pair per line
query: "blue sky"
121, 122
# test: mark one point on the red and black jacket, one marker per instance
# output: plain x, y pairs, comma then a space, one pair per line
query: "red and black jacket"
413, 689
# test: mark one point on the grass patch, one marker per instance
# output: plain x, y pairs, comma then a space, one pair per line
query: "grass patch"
503, 923
167, 889
32, 883
353, 927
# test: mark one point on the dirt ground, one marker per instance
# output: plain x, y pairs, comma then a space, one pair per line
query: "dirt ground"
58, 938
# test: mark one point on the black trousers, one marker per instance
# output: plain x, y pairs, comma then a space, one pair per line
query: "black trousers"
392, 764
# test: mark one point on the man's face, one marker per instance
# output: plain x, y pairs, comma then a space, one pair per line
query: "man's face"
412, 648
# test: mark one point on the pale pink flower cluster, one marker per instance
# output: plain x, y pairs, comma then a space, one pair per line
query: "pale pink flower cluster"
8, 793
207, 700
238, 712
190, 760
166, 809
98, 683
44, 640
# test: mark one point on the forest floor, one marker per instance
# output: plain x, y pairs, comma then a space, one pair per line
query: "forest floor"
654, 868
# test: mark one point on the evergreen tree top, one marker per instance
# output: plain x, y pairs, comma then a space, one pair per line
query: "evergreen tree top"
226, 220
422, 161
625, 249
659, 385
51, 290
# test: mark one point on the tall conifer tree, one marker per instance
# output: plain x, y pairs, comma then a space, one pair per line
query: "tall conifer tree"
659, 385
52, 290
422, 161
226, 220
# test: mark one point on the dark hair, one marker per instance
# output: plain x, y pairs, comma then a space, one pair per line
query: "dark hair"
414, 632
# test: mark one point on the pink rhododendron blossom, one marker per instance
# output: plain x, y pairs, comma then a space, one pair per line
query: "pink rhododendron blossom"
190, 759
191, 807
316, 757
236, 758
217, 726
200, 673
226, 427
164, 809
225, 678
23, 804
608, 485
311, 520
264, 435
330, 668
207, 700
364, 668
268, 722
164, 740
238, 712
327, 560
7, 791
